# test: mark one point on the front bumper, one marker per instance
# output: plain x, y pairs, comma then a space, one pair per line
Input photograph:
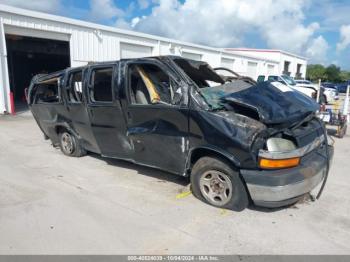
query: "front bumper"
275, 188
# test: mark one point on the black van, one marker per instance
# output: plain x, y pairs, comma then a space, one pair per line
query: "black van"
239, 141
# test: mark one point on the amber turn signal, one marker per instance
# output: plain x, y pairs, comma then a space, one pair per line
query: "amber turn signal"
278, 163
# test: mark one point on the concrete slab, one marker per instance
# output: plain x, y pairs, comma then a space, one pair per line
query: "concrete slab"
53, 204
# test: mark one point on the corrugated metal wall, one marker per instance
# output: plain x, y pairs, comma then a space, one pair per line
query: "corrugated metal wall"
89, 43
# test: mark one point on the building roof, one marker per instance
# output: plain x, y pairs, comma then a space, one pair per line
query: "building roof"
242, 49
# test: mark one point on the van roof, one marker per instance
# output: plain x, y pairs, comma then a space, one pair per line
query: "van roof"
44, 77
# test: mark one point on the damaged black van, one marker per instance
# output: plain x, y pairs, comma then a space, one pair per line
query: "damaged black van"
237, 140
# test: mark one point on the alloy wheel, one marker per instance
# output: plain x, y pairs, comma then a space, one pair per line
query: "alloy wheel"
216, 187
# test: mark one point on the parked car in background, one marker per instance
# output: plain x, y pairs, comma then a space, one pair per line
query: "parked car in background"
330, 92
237, 141
329, 85
299, 82
343, 86
309, 90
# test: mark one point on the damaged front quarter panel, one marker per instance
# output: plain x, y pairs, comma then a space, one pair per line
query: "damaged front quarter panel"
238, 135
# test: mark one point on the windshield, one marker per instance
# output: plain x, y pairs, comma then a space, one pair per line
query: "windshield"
200, 72
212, 87
289, 80
205, 79
216, 96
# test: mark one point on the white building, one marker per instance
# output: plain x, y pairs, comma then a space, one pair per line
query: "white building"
288, 63
34, 42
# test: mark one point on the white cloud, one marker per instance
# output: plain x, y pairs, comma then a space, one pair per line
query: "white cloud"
221, 23
331, 14
317, 50
135, 21
52, 6
344, 38
144, 3
226, 23
103, 10
123, 24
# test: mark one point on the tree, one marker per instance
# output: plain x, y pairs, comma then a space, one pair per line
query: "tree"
315, 72
344, 76
333, 73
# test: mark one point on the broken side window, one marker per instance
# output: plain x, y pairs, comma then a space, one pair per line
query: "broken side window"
149, 84
101, 85
47, 91
75, 87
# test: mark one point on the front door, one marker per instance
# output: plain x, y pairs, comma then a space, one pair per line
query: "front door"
157, 117
107, 119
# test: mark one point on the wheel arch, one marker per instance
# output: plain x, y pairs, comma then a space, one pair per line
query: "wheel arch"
196, 153
222, 156
61, 127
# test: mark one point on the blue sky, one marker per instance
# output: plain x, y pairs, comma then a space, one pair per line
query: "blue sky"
317, 29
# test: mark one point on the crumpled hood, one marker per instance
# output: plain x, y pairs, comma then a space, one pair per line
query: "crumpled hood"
274, 103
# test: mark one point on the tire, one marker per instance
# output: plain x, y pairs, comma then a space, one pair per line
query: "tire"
70, 145
215, 182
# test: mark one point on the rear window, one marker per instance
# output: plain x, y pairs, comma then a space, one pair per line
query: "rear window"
75, 87
46, 92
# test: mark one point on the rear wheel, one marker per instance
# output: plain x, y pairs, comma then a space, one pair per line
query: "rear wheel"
216, 183
70, 145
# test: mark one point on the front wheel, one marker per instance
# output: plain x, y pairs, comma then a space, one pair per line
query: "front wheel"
216, 183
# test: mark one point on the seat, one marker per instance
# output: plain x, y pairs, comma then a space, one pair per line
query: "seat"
141, 93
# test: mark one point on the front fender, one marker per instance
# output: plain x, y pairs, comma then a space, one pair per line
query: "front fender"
198, 152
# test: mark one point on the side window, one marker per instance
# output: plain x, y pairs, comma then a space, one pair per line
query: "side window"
47, 92
272, 78
149, 84
75, 87
101, 85
261, 78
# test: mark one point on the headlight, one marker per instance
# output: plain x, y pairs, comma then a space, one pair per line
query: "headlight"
275, 144
279, 144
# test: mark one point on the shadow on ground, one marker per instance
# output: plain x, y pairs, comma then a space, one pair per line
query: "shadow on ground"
162, 176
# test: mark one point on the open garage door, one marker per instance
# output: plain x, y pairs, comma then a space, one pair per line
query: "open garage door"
28, 56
